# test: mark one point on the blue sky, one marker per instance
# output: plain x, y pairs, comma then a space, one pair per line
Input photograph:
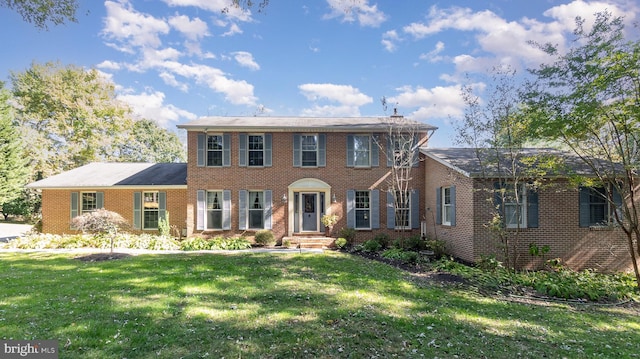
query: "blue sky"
176, 60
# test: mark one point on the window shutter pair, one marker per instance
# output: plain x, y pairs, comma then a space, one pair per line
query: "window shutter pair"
244, 148
201, 152
584, 215
137, 208
374, 209
297, 150
201, 209
414, 202
243, 209
439, 202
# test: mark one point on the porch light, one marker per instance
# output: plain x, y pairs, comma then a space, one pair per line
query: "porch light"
333, 198
284, 198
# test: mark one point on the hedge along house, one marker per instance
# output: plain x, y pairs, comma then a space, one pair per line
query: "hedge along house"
143, 193
284, 173
574, 222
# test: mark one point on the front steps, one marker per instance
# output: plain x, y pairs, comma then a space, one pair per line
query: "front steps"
310, 241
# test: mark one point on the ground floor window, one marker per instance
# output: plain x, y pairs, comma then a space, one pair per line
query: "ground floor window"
214, 210
89, 202
151, 210
402, 210
363, 209
256, 210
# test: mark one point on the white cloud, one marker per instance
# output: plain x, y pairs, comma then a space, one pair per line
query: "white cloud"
191, 29
245, 59
215, 6
433, 55
389, 40
433, 103
109, 65
132, 28
150, 105
356, 10
171, 80
344, 94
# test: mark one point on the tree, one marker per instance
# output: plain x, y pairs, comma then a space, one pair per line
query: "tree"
148, 142
42, 12
100, 221
13, 170
496, 129
589, 100
69, 116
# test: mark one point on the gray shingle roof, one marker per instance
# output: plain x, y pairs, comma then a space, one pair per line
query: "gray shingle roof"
465, 160
285, 124
100, 174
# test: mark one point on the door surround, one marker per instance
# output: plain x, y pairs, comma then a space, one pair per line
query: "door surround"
306, 185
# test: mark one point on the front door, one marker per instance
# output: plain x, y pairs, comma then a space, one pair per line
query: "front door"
309, 211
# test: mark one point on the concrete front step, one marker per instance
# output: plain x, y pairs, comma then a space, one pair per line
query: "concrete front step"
310, 241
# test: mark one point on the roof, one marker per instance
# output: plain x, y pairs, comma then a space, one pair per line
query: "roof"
465, 160
101, 174
298, 124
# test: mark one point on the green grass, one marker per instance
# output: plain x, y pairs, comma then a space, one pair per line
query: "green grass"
261, 305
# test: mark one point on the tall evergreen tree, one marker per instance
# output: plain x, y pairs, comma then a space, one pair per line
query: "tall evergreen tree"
13, 170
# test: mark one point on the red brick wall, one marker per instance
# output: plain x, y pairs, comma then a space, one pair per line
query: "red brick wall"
281, 174
469, 239
56, 206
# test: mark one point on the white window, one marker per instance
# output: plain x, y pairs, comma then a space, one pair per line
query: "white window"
515, 206
89, 202
256, 210
363, 209
403, 210
214, 210
215, 148
403, 155
151, 210
256, 150
447, 208
362, 150
309, 150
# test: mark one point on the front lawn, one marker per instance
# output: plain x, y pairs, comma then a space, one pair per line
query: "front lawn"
262, 305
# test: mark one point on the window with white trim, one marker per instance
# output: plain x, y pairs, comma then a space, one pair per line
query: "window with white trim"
215, 149
309, 149
515, 206
150, 210
447, 207
403, 210
256, 210
363, 209
255, 151
362, 150
88, 202
214, 209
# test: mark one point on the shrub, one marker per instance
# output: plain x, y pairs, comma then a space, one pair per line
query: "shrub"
233, 243
401, 255
341, 242
383, 239
437, 246
264, 238
163, 226
349, 234
413, 243
489, 263
371, 246
195, 244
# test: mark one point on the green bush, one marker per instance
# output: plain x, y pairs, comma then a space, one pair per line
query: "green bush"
401, 255
340, 242
437, 246
233, 243
349, 234
371, 246
163, 225
383, 239
264, 238
122, 240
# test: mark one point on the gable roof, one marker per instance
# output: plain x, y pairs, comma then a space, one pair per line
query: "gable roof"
298, 124
465, 160
101, 174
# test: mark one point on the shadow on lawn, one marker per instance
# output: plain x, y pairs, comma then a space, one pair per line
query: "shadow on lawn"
265, 305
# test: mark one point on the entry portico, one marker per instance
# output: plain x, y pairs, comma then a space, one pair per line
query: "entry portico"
308, 201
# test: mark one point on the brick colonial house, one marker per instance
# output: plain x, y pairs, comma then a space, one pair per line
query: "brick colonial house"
574, 222
244, 174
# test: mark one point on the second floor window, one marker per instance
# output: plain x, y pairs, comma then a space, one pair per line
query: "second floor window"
256, 150
362, 150
215, 147
309, 150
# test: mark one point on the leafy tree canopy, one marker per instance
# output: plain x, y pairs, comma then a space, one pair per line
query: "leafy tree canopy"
13, 170
148, 142
42, 12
